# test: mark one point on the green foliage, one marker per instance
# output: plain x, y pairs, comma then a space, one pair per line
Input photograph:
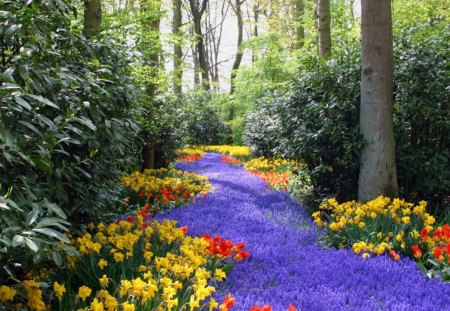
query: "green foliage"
422, 115
317, 121
66, 128
203, 123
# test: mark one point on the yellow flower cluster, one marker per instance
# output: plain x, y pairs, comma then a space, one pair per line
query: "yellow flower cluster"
191, 151
264, 164
7, 293
234, 151
154, 180
376, 226
179, 271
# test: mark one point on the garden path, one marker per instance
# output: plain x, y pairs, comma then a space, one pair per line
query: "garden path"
286, 264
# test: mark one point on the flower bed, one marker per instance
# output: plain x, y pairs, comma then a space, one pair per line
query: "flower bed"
190, 155
230, 160
276, 172
240, 152
161, 189
131, 266
388, 226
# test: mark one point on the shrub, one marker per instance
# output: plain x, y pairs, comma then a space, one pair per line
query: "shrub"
318, 120
65, 128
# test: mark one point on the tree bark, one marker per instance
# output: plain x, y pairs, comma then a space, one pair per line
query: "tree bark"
239, 53
197, 11
177, 51
300, 31
255, 29
152, 55
378, 174
92, 18
323, 25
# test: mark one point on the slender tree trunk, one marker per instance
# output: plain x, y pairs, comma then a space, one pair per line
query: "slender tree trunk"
197, 10
300, 31
323, 23
92, 18
196, 68
255, 29
239, 52
378, 174
177, 51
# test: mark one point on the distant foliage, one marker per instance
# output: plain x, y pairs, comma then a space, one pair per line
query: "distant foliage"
203, 123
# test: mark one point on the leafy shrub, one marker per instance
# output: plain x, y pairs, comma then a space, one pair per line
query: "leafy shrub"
203, 123
422, 115
318, 121
65, 127
162, 126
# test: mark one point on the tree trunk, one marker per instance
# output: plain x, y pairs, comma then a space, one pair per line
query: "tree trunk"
152, 55
300, 31
197, 10
92, 18
323, 25
239, 52
378, 174
177, 51
255, 29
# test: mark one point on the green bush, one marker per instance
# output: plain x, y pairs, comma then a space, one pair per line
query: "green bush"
422, 115
66, 129
203, 123
318, 120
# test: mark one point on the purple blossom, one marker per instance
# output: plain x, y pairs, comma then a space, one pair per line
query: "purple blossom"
286, 264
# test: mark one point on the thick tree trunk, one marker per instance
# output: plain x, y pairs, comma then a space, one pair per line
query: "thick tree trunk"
378, 174
92, 18
300, 31
323, 25
239, 52
177, 51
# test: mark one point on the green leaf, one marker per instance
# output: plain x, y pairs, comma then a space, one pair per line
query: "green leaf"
52, 233
31, 217
57, 210
32, 245
11, 229
86, 123
43, 100
17, 240
51, 221
22, 102
57, 258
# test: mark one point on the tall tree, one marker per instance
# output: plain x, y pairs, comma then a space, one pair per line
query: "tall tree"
237, 7
378, 174
177, 50
323, 26
300, 31
92, 18
255, 28
198, 9
151, 30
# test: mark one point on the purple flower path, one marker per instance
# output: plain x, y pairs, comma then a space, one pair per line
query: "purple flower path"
287, 265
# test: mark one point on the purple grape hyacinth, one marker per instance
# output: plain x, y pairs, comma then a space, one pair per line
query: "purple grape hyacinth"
287, 265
